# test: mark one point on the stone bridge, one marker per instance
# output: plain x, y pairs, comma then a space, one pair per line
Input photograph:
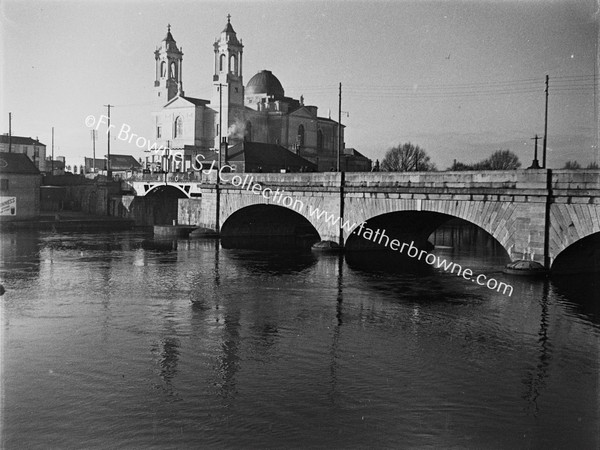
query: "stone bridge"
534, 214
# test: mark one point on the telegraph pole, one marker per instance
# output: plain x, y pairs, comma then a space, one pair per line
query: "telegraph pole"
9, 132
339, 155
108, 171
217, 191
545, 127
93, 151
220, 123
52, 165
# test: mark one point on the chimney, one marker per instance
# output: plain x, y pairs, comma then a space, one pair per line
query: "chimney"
224, 148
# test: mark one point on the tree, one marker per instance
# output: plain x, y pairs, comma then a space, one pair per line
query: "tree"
503, 160
406, 158
499, 160
573, 165
593, 165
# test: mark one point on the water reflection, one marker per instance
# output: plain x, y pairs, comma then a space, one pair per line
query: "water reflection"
21, 256
535, 380
386, 262
166, 352
228, 362
337, 329
582, 294
280, 262
301, 242
289, 349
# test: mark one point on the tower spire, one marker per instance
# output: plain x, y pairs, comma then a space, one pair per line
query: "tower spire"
169, 60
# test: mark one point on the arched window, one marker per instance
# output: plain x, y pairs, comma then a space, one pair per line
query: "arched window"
222, 62
300, 136
248, 132
173, 74
163, 69
178, 129
319, 139
233, 64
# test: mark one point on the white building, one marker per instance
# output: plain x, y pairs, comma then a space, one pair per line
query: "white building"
33, 148
258, 112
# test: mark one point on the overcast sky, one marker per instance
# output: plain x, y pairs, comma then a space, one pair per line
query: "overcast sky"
460, 79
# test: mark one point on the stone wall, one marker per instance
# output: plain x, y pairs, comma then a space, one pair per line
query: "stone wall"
189, 211
145, 211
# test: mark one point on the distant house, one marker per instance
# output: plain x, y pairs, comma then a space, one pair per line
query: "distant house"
354, 161
33, 148
119, 165
56, 167
20, 182
261, 157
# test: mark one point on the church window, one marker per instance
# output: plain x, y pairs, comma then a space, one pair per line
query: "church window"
178, 127
319, 139
300, 136
173, 73
248, 132
222, 62
158, 132
163, 69
233, 64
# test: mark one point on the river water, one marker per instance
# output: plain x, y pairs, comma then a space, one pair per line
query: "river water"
114, 340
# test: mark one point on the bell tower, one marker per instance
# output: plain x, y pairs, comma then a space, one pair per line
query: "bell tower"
228, 86
168, 82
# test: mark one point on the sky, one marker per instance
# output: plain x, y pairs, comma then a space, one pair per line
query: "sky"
461, 79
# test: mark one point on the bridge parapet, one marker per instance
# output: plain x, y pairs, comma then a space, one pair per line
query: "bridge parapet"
564, 179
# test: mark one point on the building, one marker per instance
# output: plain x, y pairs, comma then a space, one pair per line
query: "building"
120, 165
20, 182
258, 157
258, 112
56, 167
33, 148
354, 161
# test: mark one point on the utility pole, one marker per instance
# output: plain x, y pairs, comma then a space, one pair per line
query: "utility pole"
545, 127
339, 155
108, 171
52, 151
93, 151
220, 123
9, 132
217, 191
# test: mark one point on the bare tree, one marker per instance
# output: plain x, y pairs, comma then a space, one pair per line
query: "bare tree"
499, 160
573, 165
502, 160
406, 158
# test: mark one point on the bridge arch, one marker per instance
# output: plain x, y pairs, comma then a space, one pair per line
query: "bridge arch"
572, 225
267, 226
405, 226
499, 219
170, 190
582, 256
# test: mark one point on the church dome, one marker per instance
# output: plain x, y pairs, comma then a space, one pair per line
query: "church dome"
264, 82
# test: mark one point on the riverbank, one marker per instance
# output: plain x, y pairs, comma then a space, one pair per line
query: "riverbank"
69, 221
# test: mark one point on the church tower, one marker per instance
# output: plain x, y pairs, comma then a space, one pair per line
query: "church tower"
168, 84
228, 86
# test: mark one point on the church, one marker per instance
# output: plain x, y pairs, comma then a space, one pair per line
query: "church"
257, 113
